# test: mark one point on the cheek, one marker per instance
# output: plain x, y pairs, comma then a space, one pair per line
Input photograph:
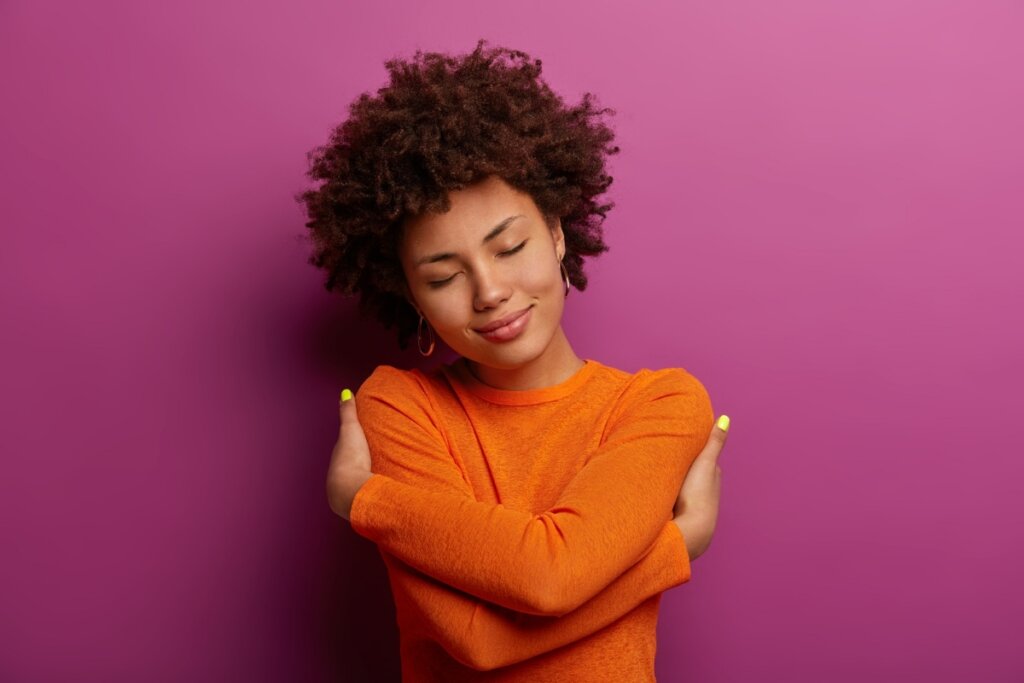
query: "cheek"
540, 278
445, 309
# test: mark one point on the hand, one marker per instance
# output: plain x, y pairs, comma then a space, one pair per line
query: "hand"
350, 461
696, 508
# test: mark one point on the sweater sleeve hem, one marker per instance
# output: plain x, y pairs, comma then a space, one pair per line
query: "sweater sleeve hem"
361, 514
683, 555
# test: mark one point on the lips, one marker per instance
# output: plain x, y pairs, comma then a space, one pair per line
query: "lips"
501, 322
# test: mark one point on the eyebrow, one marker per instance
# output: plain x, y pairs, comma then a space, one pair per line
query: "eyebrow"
497, 230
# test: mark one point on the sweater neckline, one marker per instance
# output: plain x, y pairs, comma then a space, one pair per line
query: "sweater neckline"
512, 397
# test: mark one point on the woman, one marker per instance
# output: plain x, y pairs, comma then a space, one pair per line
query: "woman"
530, 506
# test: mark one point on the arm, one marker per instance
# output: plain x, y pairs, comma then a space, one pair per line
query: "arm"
545, 564
484, 636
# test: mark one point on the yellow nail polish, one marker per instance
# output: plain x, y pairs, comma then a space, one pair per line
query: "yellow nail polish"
723, 423
346, 395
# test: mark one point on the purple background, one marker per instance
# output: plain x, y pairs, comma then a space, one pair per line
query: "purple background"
819, 214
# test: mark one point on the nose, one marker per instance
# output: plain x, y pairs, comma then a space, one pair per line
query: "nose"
489, 289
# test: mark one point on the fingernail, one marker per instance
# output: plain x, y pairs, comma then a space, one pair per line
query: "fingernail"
345, 395
723, 423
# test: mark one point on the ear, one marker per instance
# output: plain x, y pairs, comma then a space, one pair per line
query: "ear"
558, 237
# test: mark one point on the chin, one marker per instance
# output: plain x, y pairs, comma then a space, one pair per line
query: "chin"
507, 356
504, 362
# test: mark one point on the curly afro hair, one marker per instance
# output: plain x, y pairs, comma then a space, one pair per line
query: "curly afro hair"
441, 124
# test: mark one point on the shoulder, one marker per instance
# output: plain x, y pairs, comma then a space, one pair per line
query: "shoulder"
672, 390
386, 377
408, 391
399, 419
647, 382
669, 380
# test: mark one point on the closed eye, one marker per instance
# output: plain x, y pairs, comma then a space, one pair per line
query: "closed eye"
436, 284
514, 249
441, 283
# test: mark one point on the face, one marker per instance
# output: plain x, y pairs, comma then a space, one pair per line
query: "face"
490, 257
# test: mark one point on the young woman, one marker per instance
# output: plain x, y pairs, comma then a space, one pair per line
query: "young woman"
530, 505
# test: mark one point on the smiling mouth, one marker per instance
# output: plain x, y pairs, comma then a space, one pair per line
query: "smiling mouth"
498, 324
510, 330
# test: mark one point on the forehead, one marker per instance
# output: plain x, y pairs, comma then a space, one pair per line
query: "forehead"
475, 210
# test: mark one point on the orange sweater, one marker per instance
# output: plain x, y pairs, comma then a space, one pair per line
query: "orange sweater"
528, 534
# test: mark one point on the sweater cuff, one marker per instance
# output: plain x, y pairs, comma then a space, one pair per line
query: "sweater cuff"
360, 516
682, 554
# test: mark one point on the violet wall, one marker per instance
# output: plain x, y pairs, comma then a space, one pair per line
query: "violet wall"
819, 214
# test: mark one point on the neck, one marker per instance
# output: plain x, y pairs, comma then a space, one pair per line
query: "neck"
557, 364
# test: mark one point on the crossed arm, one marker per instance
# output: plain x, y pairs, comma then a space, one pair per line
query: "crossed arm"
484, 636
499, 585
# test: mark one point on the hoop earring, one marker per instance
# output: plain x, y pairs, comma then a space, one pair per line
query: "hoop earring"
565, 273
419, 338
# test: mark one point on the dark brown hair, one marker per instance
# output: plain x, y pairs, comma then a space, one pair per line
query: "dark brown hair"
441, 124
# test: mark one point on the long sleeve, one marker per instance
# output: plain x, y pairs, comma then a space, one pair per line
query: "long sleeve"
550, 563
484, 636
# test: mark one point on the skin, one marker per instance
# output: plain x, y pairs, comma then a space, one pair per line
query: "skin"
486, 281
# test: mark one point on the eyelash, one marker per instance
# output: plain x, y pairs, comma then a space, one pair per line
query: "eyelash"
514, 249
441, 283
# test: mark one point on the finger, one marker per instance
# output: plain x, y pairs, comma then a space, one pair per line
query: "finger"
716, 440
722, 427
347, 407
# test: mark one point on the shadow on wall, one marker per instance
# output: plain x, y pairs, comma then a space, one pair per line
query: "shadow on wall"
351, 612
355, 625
